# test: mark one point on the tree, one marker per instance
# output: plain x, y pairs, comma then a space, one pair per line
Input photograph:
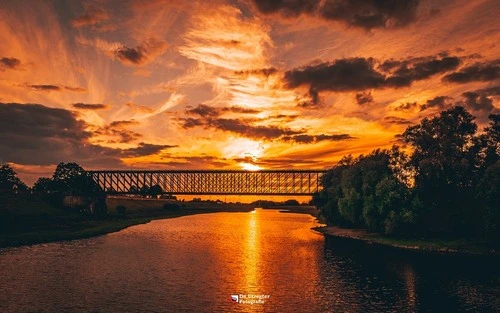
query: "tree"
144, 190
489, 197
154, 191
445, 170
9, 179
133, 189
72, 179
43, 186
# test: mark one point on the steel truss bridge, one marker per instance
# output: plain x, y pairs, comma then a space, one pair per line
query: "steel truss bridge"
216, 182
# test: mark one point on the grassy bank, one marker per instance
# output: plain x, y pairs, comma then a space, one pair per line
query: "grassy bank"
456, 246
27, 220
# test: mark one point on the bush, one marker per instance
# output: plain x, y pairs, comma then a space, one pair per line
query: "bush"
171, 206
121, 209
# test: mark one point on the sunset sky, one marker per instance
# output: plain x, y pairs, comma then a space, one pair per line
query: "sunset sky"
151, 84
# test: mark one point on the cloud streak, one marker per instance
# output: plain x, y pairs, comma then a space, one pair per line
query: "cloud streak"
90, 106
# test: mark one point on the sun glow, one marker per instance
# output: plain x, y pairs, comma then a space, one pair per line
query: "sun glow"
250, 167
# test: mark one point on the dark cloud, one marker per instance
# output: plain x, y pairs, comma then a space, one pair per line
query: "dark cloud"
191, 122
361, 74
365, 14
75, 89
118, 130
205, 110
364, 98
353, 74
244, 127
144, 149
285, 117
486, 71
260, 72
490, 91
370, 14
241, 127
123, 123
289, 8
396, 120
406, 72
33, 134
89, 106
440, 102
477, 102
91, 16
338, 137
142, 54
9, 64
242, 110
304, 138
47, 87
313, 100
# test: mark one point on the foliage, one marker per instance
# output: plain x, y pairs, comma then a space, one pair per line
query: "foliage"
72, 179
69, 179
133, 189
291, 202
447, 186
155, 191
9, 179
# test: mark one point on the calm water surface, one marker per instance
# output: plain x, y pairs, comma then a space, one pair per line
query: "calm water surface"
195, 263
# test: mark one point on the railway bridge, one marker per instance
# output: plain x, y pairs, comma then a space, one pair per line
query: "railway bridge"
212, 182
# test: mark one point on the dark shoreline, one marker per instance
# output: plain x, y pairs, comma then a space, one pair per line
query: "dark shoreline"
422, 246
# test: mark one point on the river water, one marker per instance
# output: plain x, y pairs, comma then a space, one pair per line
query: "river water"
272, 261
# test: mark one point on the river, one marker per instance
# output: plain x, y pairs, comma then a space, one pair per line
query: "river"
272, 262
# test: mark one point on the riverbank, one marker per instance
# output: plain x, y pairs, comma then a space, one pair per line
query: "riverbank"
38, 223
435, 246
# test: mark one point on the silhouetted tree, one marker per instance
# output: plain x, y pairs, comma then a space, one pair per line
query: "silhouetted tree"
133, 189
445, 171
9, 179
43, 185
144, 190
154, 191
72, 179
489, 196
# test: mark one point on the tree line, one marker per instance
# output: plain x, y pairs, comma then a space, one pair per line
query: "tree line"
69, 179
447, 186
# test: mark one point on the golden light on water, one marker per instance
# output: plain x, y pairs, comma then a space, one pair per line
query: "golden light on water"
252, 253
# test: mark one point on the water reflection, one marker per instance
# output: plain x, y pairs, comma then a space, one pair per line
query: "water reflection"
194, 264
252, 254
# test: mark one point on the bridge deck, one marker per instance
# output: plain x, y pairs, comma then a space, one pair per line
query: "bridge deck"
212, 182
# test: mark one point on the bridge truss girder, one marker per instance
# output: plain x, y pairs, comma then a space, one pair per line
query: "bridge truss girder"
221, 182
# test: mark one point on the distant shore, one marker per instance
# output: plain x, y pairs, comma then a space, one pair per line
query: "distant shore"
435, 246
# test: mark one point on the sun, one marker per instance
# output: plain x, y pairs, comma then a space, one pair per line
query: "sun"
250, 167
